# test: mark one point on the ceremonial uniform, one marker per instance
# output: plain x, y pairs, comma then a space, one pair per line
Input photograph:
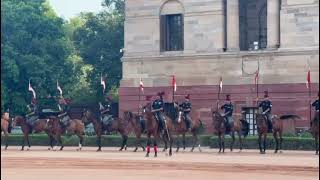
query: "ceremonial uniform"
266, 106
157, 108
186, 108
105, 112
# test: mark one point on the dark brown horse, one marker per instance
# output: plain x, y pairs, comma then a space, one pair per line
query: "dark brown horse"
117, 125
72, 127
277, 130
5, 127
180, 128
315, 130
219, 128
41, 125
152, 128
134, 120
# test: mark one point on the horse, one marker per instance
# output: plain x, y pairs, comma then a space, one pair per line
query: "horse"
219, 127
152, 128
5, 127
118, 125
315, 130
41, 125
72, 127
134, 120
277, 130
180, 128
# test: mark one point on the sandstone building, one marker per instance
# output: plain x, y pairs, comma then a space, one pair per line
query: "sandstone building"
199, 41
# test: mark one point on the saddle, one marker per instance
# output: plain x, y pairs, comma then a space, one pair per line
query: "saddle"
65, 121
107, 120
31, 121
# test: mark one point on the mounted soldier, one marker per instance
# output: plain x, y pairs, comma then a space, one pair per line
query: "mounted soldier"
228, 110
186, 108
64, 108
266, 106
158, 109
106, 115
32, 112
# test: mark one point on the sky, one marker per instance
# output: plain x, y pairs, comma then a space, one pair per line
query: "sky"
71, 8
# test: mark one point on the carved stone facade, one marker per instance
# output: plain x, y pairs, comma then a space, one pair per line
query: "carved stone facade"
213, 35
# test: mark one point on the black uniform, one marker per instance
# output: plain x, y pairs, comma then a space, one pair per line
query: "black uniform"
228, 110
266, 106
186, 108
64, 109
157, 107
106, 115
315, 104
32, 115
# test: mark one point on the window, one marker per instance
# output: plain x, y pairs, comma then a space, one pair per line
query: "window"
250, 116
171, 34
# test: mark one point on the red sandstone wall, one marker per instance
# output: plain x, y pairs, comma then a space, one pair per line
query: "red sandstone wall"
287, 98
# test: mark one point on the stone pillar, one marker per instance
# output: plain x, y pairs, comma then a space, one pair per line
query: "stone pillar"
233, 25
273, 24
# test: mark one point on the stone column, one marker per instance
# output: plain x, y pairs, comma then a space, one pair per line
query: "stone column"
233, 25
273, 24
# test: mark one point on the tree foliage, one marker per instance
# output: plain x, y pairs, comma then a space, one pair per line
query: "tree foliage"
38, 45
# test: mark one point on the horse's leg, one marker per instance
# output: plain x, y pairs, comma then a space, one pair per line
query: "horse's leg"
155, 147
264, 143
259, 142
99, 141
148, 146
28, 141
220, 144
275, 135
232, 141
184, 141
223, 146
165, 145
80, 142
317, 143
50, 142
195, 140
60, 142
6, 139
124, 138
240, 140
178, 143
24, 140
170, 144
281, 140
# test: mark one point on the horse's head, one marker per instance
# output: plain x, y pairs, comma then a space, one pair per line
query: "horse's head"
6, 116
217, 118
86, 116
147, 108
128, 115
17, 121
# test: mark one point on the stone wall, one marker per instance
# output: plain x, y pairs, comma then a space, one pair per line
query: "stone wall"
299, 23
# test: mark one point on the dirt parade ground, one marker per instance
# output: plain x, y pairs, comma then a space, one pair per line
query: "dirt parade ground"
41, 164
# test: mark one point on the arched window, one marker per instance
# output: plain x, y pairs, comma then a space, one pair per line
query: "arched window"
171, 26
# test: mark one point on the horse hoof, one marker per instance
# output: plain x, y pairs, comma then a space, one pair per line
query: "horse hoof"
49, 149
135, 150
98, 150
120, 149
147, 155
280, 152
155, 155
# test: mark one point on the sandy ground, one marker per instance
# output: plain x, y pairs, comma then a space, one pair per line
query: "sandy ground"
41, 164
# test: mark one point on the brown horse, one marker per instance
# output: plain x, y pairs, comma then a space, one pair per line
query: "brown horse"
41, 125
180, 128
5, 127
219, 128
152, 128
117, 125
72, 127
134, 120
277, 130
315, 130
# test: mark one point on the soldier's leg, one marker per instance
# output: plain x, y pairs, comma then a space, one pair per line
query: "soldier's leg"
269, 115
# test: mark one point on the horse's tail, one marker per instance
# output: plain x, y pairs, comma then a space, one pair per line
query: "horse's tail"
289, 116
245, 128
